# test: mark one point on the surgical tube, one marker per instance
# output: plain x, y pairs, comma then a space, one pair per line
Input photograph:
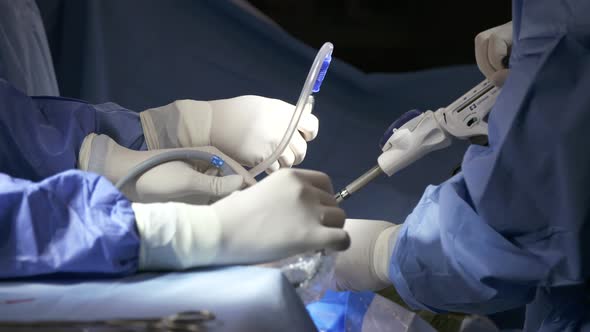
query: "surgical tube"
304, 98
172, 155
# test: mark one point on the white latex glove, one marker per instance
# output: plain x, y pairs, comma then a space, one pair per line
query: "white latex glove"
190, 182
365, 264
247, 128
289, 212
491, 47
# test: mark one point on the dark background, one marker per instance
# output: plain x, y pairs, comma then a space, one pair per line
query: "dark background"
390, 35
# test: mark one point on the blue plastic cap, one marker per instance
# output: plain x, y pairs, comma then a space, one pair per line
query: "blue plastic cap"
217, 161
402, 120
322, 74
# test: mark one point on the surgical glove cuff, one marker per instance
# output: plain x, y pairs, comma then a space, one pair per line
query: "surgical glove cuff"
383, 252
102, 155
183, 123
176, 235
85, 152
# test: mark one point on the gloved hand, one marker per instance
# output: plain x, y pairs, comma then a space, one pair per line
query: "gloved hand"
289, 212
365, 265
180, 181
247, 128
491, 47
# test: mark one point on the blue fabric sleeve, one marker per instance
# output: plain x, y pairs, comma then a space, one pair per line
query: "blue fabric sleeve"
54, 219
518, 216
41, 136
72, 222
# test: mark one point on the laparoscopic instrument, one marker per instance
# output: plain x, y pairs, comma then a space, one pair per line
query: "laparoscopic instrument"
416, 133
312, 84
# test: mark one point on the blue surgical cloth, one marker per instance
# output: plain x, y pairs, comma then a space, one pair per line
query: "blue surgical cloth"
244, 299
54, 219
516, 219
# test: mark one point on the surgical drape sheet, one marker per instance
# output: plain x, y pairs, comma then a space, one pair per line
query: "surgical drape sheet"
242, 299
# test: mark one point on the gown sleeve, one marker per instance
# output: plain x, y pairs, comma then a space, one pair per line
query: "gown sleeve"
518, 215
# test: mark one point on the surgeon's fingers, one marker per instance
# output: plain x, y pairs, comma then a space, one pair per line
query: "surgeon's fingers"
499, 77
497, 50
332, 238
333, 217
287, 158
309, 126
299, 148
273, 167
317, 179
322, 196
327, 198
481, 54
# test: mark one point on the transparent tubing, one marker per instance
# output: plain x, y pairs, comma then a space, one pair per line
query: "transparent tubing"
310, 272
304, 98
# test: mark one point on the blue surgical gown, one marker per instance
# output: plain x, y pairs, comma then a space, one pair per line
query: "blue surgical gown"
55, 219
514, 225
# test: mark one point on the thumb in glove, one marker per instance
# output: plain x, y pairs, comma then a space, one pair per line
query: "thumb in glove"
365, 264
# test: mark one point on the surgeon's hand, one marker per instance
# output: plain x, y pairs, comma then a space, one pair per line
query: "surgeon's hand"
179, 181
365, 264
491, 47
287, 213
247, 128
